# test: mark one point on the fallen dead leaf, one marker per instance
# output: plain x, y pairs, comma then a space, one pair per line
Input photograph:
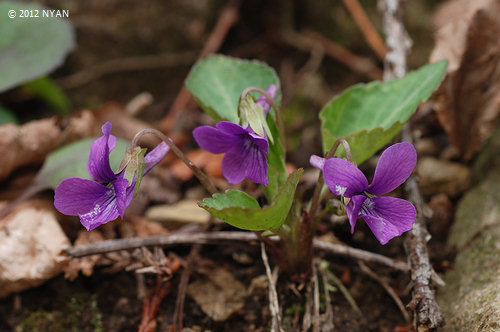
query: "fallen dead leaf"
185, 211
84, 264
31, 142
31, 241
220, 295
468, 101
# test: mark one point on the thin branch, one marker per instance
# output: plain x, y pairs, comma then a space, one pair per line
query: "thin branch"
365, 25
274, 306
309, 40
183, 238
366, 270
428, 312
120, 65
227, 18
315, 281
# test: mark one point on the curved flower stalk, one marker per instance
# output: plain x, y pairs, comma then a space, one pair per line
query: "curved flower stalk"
386, 216
106, 197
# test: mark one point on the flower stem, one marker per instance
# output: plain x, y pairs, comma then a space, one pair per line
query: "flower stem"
202, 177
270, 99
319, 184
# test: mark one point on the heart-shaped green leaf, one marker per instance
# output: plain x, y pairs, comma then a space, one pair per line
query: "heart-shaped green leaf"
217, 82
31, 46
368, 116
70, 161
240, 210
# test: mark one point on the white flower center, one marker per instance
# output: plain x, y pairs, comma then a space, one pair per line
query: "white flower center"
340, 190
90, 215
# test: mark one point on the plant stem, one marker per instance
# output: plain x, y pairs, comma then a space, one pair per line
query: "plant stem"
204, 180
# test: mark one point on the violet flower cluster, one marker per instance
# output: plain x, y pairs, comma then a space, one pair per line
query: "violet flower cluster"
386, 216
106, 197
245, 151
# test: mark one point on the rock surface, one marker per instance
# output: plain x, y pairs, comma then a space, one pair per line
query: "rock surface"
471, 297
31, 240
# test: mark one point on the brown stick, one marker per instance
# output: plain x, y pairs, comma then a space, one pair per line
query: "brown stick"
137, 63
365, 25
182, 238
227, 18
387, 288
355, 62
428, 313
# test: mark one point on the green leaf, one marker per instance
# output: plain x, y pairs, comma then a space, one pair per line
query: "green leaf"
368, 116
6, 116
47, 90
240, 210
217, 82
31, 47
70, 161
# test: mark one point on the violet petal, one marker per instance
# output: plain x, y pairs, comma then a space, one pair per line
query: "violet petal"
214, 140
393, 168
231, 128
257, 167
352, 209
272, 90
94, 203
120, 186
317, 161
388, 217
261, 142
236, 162
343, 178
156, 155
98, 165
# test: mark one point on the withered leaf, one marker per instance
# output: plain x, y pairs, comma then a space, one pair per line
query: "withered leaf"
468, 102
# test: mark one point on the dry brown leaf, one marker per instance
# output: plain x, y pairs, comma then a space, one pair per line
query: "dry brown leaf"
220, 295
31, 241
139, 226
468, 101
84, 264
31, 142
185, 211
211, 163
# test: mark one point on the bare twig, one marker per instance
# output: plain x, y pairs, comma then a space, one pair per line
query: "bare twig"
397, 39
369, 32
328, 315
333, 278
315, 282
428, 312
183, 238
120, 65
227, 18
274, 306
366, 270
309, 40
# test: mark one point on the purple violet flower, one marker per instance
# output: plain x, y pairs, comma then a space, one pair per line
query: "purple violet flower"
386, 216
103, 200
272, 90
245, 151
